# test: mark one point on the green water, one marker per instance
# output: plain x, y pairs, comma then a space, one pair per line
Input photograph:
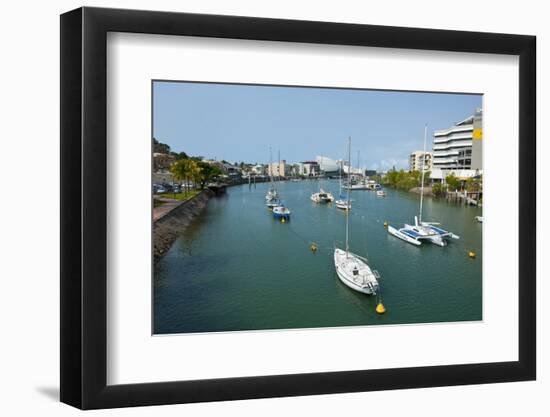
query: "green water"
237, 268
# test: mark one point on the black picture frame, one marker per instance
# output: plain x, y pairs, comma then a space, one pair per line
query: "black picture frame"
84, 207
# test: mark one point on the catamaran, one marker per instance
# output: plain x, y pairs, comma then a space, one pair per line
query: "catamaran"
421, 230
322, 197
353, 269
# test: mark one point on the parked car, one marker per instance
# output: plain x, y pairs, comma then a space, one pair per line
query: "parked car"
158, 189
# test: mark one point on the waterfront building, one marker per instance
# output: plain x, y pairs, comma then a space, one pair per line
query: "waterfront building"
439, 175
279, 169
346, 169
459, 146
416, 163
258, 169
328, 166
309, 169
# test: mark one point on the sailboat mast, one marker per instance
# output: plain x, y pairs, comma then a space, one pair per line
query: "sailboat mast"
423, 173
340, 185
271, 167
349, 192
279, 166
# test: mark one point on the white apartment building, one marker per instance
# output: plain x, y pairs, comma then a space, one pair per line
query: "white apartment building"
459, 146
258, 169
309, 168
416, 163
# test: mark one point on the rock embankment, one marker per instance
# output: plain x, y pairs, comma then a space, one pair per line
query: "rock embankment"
427, 191
167, 228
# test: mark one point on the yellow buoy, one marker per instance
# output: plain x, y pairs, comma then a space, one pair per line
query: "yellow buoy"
385, 224
472, 254
283, 220
313, 247
380, 309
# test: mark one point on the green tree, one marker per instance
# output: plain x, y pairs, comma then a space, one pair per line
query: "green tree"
208, 172
179, 155
452, 181
403, 180
185, 170
438, 189
159, 147
473, 184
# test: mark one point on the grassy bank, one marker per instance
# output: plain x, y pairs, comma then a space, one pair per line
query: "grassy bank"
186, 195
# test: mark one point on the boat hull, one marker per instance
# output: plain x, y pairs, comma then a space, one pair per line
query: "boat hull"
343, 205
399, 234
281, 216
281, 213
347, 278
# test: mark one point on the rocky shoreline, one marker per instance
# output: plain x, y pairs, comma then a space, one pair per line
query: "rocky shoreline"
167, 228
427, 191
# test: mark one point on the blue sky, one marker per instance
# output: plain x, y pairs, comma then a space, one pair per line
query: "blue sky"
240, 122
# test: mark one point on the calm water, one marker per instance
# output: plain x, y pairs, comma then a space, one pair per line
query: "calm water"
237, 268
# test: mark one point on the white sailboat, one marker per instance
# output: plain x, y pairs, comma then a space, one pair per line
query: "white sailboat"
272, 196
353, 269
280, 211
342, 202
421, 230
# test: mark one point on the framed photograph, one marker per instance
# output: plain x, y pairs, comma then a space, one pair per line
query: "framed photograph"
257, 208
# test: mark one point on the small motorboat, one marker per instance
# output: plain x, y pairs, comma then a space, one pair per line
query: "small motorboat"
281, 212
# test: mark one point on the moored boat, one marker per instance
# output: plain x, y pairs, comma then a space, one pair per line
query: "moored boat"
421, 231
353, 270
342, 203
274, 202
322, 197
281, 212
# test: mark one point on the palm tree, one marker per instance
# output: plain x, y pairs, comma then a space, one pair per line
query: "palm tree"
185, 170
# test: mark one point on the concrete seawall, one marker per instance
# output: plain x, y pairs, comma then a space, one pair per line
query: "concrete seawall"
167, 228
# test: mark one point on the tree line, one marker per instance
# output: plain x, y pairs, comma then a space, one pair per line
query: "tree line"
188, 169
406, 180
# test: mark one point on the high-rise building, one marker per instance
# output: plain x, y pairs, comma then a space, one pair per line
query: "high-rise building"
416, 163
459, 146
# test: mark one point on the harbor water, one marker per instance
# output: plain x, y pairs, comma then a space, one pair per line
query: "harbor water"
237, 268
